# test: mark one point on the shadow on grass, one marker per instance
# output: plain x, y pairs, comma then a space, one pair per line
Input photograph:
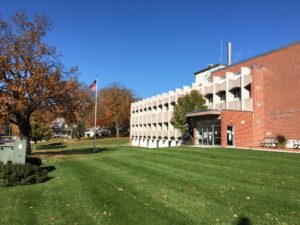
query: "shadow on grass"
52, 146
49, 168
243, 221
73, 151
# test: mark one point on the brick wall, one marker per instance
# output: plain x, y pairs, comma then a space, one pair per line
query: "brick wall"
276, 94
243, 127
258, 91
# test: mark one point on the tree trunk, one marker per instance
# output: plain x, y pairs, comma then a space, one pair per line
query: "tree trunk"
117, 130
25, 130
28, 145
35, 144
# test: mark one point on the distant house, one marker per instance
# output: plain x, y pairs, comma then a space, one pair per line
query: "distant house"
61, 129
90, 132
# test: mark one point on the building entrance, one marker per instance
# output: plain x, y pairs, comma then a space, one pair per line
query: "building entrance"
208, 132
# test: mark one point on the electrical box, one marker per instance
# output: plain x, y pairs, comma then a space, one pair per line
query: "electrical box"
13, 151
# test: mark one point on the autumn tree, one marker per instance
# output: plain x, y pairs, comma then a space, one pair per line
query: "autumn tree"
189, 103
84, 115
114, 107
32, 77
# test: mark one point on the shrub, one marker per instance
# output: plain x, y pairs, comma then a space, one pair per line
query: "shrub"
15, 174
187, 139
34, 161
281, 141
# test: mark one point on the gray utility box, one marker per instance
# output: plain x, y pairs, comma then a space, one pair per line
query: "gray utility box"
13, 151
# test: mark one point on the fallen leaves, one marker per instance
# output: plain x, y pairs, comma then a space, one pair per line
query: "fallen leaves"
120, 189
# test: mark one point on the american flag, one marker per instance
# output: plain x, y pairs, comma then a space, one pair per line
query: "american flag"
93, 86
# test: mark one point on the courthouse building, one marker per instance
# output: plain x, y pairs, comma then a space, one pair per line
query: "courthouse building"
247, 102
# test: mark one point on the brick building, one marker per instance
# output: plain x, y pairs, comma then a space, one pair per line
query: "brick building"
247, 101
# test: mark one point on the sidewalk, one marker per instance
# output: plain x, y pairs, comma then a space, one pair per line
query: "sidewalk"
286, 150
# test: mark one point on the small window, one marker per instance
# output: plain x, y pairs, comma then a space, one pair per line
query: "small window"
166, 106
237, 93
248, 88
210, 98
223, 95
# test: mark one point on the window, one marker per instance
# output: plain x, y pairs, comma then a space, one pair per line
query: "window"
166, 107
248, 88
210, 98
237, 93
223, 95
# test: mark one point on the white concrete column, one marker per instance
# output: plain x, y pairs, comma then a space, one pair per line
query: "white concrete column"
216, 98
163, 143
243, 93
173, 143
152, 143
245, 71
229, 97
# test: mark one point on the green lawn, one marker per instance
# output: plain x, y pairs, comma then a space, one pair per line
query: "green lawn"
182, 185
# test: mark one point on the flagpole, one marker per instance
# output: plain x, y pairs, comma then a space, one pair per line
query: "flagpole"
95, 114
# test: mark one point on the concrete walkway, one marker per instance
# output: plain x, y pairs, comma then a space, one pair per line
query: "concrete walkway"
286, 150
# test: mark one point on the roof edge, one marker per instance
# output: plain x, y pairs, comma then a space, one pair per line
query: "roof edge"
260, 55
254, 57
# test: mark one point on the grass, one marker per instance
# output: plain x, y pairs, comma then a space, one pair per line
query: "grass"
182, 185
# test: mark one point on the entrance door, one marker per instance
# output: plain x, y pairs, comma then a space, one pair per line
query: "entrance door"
208, 132
230, 136
205, 136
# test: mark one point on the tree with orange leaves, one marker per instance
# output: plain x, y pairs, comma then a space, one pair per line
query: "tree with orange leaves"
31, 77
114, 107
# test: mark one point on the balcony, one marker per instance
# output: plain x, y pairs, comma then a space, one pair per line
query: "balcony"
153, 133
208, 89
153, 118
220, 87
172, 133
159, 102
159, 117
165, 117
177, 134
172, 99
164, 134
147, 133
144, 118
220, 105
209, 106
234, 83
159, 133
235, 105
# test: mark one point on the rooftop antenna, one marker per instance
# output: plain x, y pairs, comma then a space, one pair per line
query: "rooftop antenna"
229, 53
221, 51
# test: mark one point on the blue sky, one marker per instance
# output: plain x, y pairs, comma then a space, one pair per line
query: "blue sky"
156, 46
